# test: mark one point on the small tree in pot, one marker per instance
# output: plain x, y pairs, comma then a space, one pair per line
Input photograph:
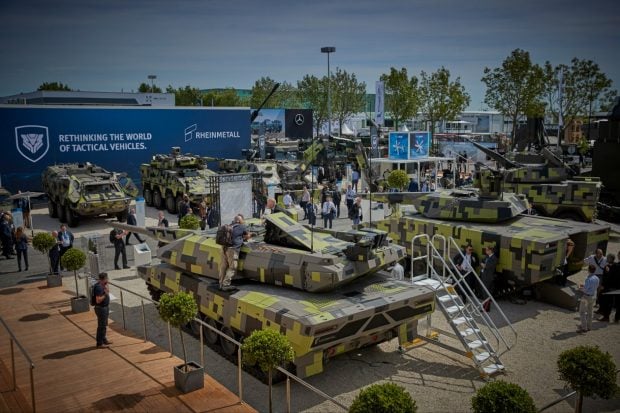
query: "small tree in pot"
178, 310
269, 349
44, 242
398, 179
383, 398
189, 221
73, 260
502, 397
589, 371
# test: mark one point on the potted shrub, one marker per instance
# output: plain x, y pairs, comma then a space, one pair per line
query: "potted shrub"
43, 242
190, 221
383, 398
589, 371
178, 310
502, 397
268, 349
398, 179
73, 260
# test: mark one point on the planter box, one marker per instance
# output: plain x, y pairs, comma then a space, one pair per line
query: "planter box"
54, 280
188, 381
80, 304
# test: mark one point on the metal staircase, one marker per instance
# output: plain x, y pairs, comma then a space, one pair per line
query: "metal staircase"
473, 327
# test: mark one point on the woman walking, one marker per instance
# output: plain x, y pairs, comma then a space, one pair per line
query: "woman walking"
21, 246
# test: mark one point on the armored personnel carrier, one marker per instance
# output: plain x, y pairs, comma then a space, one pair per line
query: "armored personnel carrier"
82, 189
530, 248
166, 178
549, 185
323, 290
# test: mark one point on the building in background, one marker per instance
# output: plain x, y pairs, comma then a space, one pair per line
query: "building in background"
57, 97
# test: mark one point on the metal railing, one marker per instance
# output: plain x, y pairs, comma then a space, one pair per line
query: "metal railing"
561, 399
237, 343
14, 341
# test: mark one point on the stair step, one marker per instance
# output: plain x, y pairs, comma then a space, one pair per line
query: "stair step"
469, 332
461, 320
476, 344
454, 309
434, 284
447, 298
493, 368
482, 357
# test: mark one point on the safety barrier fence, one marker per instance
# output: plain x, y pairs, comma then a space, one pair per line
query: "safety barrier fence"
15, 342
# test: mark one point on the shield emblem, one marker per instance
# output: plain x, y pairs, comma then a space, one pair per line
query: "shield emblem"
32, 141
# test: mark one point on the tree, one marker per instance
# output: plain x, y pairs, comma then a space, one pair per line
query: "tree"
189, 221
589, 371
502, 397
440, 98
54, 86
146, 88
516, 88
269, 349
43, 242
187, 96
383, 398
178, 310
225, 97
284, 97
402, 99
313, 91
73, 260
582, 87
398, 179
348, 96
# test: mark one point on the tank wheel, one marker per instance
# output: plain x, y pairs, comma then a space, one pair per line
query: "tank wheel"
227, 346
178, 201
171, 204
195, 326
154, 292
52, 208
148, 196
72, 220
62, 213
211, 336
122, 216
157, 200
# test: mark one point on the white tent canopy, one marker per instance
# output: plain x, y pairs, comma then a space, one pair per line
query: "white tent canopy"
346, 130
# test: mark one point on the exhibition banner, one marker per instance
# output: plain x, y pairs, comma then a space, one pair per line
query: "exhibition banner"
399, 145
419, 143
379, 103
117, 139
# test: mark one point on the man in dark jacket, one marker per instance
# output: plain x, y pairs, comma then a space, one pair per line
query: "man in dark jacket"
466, 263
54, 254
119, 247
131, 220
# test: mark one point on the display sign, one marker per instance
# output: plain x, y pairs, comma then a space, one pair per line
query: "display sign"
298, 123
419, 144
117, 139
399, 145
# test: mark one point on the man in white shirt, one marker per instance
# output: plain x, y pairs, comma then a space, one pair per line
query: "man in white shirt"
287, 200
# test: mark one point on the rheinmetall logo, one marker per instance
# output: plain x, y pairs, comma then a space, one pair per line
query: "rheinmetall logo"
32, 141
191, 132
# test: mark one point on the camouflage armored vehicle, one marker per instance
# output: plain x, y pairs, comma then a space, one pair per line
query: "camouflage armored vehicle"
322, 290
166, 178
530, 248
549, 185
82, 189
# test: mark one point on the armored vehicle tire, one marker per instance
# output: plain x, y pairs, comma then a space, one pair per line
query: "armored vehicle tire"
72, 220
171, 204
122, 216
157, 200
196, 326
227, 346
154, 292
52, 208
62, 213
178, 201
211, 336
148, 196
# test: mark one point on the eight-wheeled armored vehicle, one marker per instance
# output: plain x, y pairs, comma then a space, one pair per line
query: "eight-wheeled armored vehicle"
166, 178
323, 291
82, 189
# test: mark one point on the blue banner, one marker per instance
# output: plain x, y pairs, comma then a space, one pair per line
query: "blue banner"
117, 139
419, 144
399, 145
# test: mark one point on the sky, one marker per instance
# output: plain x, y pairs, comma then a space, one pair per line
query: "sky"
113, 45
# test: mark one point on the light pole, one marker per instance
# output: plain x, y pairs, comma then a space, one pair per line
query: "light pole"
328, 50
152, 78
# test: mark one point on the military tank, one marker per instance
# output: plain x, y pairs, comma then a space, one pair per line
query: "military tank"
323, 290
166, 178
530, 248
79, 190
549, 184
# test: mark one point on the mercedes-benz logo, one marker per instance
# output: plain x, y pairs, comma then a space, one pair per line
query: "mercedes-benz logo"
299, 119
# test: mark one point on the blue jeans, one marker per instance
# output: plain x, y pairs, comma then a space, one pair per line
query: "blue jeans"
328, 218
102, 323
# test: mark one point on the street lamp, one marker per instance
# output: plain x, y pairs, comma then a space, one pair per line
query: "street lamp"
152, 78
328, 50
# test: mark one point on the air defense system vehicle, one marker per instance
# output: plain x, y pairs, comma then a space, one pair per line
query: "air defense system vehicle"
530, 248
79, 190
166, 178
549, 185
324, 291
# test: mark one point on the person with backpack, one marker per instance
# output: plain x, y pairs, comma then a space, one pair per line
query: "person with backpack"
101, 301
116, 238
355, 212
329, 211
231, 238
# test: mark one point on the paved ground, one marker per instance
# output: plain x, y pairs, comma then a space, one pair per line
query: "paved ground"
437, 379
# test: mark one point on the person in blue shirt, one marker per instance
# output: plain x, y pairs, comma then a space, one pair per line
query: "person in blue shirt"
102, 309
66, 241
586, 304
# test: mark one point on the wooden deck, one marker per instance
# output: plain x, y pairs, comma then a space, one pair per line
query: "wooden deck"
71, 374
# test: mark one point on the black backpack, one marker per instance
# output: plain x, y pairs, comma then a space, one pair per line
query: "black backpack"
113, 236
93, 297
223, 236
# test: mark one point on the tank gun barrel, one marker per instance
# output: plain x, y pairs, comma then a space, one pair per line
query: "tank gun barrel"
501, 160
157, 233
